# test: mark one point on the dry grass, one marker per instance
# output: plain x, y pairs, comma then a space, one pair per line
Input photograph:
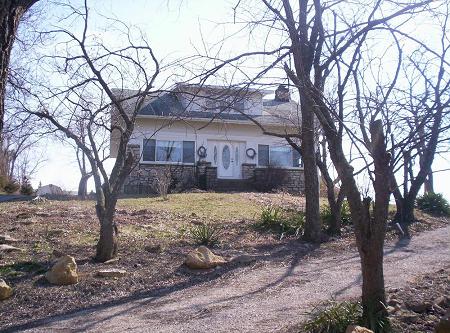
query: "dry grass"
71, 227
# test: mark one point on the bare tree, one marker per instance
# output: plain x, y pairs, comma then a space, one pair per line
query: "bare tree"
11, 11
92, 70
324, 43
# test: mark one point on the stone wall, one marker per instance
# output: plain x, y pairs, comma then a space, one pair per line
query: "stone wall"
248, 170
142, 179
289, 180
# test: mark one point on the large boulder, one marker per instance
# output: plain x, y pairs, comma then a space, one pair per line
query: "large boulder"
5, 290
357, 329
202, 258
64, 272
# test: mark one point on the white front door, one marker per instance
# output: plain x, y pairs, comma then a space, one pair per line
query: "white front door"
227, 158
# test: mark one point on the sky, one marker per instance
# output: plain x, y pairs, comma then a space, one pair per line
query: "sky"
175, 28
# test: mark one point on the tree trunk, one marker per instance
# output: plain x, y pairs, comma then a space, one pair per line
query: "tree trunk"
404, 214
107, 244
373, 293
11, 12
336, 217
82, 186
313, 224
428, 184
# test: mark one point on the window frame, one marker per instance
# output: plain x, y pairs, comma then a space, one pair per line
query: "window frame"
291, 154
142, 161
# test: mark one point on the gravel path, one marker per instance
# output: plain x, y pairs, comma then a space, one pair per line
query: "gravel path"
264, 299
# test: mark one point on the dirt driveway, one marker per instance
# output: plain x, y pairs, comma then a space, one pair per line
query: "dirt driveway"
268, 298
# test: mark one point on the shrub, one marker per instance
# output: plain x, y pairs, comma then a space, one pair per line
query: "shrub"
205, 234
433, 203
283, 222
26, 188
163, 181
12, 186
325, 214
334, 317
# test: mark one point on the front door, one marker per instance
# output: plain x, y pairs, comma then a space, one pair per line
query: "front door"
227, 158
226, 162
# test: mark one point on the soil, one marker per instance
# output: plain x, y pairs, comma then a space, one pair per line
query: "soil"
153, 258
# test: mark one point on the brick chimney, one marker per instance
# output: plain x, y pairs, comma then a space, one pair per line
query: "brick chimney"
282, 94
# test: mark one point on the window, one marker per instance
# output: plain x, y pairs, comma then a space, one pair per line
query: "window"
168, 151
263, 155
278, 156
296, 159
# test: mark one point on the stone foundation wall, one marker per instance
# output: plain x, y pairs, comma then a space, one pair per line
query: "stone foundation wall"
142, 179
289, 180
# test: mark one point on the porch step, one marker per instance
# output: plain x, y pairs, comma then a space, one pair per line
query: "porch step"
232, 185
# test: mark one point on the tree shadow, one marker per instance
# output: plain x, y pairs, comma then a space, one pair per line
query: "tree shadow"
297, 249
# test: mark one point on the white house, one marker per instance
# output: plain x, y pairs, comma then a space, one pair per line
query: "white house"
49, 189
212, 137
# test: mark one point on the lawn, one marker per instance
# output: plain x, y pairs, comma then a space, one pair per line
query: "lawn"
154, 238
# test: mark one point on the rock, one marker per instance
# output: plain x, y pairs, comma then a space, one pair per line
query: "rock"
418, 307
38, 200
391, 309
111, 261
244, 259
410, 317
43, 214
5, 290
202, 258
7, 239
357, 329
9, 248
112, 272
64, 272
393, 301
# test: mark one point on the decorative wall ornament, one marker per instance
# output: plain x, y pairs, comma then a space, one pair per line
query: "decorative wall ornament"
201, 152
251, 153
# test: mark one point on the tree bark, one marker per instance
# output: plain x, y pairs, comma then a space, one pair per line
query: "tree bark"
11, 11
313, 224
82, 186
428, 184
107, 244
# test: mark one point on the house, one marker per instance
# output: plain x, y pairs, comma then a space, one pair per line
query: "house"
49, 189
212, 137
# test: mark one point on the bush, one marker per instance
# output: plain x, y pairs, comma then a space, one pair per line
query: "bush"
325, 214
283, 222
12, 186
205, 234
26, 188
334, 317
433, 203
